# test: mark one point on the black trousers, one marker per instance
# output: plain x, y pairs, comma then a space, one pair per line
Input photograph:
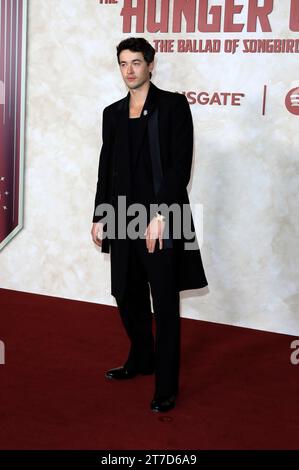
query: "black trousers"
155, 273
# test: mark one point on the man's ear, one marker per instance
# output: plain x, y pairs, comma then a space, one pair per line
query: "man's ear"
151, 65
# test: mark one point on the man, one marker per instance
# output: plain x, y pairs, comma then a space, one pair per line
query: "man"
146, 157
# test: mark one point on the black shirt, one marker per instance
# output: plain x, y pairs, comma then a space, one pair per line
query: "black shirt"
142, 187
141, 169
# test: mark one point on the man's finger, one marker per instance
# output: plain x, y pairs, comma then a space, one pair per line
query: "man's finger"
152, 245
160, 243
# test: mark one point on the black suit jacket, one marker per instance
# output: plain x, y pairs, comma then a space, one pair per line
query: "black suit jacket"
167, 118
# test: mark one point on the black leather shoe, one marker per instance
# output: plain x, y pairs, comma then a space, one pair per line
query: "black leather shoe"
163, 403
121, 373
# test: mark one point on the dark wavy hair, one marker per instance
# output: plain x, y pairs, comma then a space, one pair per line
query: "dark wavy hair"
137, 45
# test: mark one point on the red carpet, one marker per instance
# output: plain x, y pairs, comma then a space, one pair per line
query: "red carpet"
238, 387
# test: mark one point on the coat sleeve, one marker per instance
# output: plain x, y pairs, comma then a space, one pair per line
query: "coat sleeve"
176, 177
103, 168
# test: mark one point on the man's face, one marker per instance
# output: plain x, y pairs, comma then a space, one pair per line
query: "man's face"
134, 69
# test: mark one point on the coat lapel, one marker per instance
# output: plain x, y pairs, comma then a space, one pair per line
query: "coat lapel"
148, 109
123, 163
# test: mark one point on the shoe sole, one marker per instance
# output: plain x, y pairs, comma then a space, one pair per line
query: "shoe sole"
156, 410
130, 377
109, 377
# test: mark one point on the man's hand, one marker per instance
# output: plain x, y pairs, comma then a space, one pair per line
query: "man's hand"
153, 232
97, 233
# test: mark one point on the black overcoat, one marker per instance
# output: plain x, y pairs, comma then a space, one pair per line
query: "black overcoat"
167, 118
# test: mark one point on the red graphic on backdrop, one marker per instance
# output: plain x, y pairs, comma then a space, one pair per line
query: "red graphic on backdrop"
199, 15
11, 148
292, 101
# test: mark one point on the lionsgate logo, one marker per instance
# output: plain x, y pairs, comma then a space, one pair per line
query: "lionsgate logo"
177, 221
292, 101
2, 353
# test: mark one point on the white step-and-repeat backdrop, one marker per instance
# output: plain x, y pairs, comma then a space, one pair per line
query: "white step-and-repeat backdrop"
237, 62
